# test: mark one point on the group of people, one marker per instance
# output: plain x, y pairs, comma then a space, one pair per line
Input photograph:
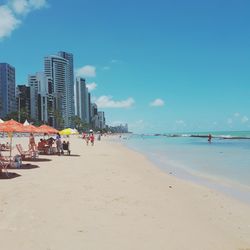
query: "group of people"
89, 138
4, 146
46, 145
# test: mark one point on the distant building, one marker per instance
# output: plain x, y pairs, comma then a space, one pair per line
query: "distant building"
56, 68
41, 97
94, 116
102, 122
69, 84
7, 89
82, 100
119, 129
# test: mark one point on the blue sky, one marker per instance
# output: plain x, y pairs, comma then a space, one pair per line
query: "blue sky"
160, 66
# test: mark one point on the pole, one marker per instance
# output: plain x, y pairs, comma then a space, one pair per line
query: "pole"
19, 108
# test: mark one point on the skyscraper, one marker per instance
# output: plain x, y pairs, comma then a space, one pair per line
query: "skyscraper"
7, 89
40, 98
102, 121
82, 99
69, 84
57, 69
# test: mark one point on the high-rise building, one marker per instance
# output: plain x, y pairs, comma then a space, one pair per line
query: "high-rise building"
57, 69
40, 96
7, 89
82, 100
69, 84
94, 116
102, 122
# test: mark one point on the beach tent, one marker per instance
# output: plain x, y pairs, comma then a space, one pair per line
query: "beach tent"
26, 123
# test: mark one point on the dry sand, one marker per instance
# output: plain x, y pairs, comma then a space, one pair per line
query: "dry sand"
109, 197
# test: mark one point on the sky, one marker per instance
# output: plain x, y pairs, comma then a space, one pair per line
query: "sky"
160, 66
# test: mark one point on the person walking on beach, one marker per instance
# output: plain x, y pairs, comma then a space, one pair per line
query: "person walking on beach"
92, 139
58, 143
32, 143
209, 138
87, 139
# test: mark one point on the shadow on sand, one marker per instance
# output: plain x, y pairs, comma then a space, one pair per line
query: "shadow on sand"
25, 166
36, 160
9, 175
74, 155
70, 155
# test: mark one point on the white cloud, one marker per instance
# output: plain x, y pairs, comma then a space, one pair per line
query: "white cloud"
229, 120
23, 7
157, 103
9, 12
91, 86
180, 122
244, 119
38, 4
108, 102
8, 22
237, 114
86, 71
20, 6
106, 68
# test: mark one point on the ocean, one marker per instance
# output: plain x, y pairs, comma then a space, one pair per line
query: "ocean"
223, 164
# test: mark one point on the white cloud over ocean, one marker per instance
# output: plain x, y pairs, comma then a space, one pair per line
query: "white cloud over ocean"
108, 102
244, 119
157, 103
11, 14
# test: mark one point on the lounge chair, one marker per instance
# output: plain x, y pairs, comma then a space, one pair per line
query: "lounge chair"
27, 154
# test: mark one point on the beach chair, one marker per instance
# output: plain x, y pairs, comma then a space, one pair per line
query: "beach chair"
65, 147
27, 154
4, 163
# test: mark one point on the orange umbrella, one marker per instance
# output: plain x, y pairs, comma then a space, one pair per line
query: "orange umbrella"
48, 129
11, 126
31, 129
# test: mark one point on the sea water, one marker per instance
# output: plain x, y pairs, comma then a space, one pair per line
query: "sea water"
223, 164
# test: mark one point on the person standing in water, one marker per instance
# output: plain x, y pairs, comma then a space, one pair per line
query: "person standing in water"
209, 138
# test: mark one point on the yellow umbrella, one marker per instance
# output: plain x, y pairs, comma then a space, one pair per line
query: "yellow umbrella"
67, 131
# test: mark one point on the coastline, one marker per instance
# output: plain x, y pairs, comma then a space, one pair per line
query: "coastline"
110, 197
230, 187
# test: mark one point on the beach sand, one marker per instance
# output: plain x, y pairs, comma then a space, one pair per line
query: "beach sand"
109, 197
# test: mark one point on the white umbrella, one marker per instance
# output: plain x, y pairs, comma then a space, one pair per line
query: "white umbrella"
1, 121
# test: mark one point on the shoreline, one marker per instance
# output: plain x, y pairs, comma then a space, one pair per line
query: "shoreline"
228, 187
111, 197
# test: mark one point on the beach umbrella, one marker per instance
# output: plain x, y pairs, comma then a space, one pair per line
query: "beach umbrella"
67, 131
31, 129
48, 129
11, 127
